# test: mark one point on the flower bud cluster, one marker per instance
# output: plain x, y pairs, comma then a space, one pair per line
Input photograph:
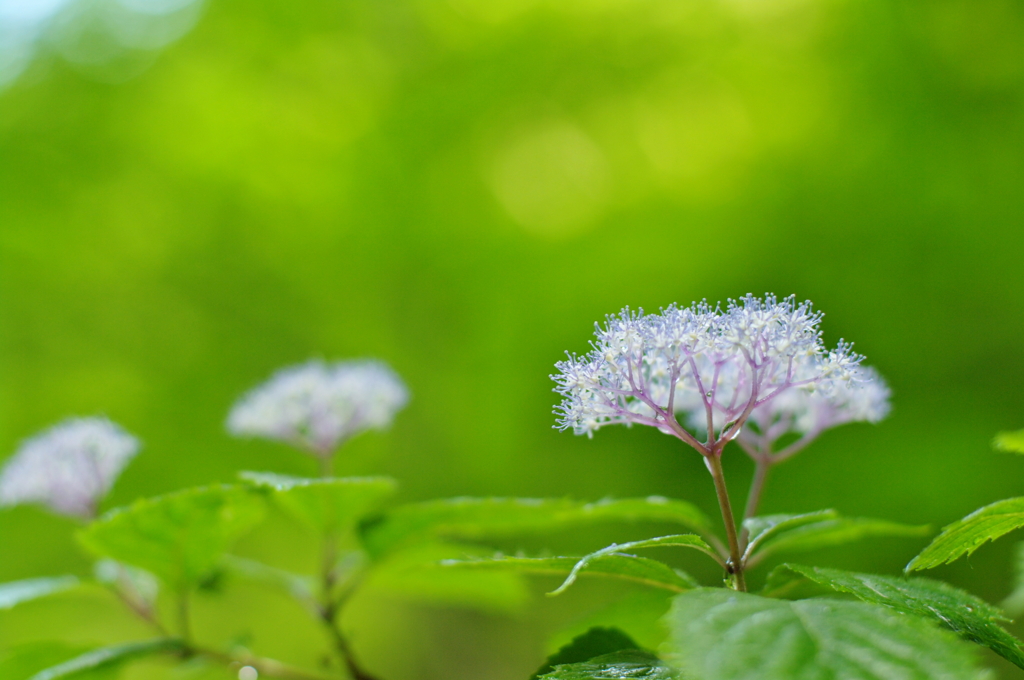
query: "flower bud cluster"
69, 467
717, 367
317, 406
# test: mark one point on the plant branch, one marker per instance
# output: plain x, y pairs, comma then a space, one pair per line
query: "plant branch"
735, 564
330, 607
184, 626
763, 465
796, 446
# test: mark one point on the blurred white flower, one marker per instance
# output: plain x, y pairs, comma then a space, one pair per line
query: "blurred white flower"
69, 467
317, 406
716, 367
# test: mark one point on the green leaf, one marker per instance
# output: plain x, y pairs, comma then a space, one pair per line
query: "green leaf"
416, 573
179, 537
1014, 602
25, 660
625, 664
135, 582
16, 592
719, 634
966, 535
963, 613
300, 587
616, 565
638, 611
760, 529
1011, 442
597, 641
676, 541
812, 535
107, 657
475, 518
327, 505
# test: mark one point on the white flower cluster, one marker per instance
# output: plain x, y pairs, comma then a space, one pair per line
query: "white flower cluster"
865, 398
317, 406
717, 367
69, 467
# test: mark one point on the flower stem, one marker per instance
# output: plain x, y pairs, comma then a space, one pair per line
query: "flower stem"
763, 465
735, 563
184, 627
331, 605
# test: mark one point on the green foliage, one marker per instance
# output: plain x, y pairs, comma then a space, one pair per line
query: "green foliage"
797, 533
625, 664
474, 518
676, 541
597, 641
966, 535
638, 611
1014, 602
17, 592
760, 529
329, 505
963, 613
298, 586
615, 565
106, 659
417, 573
718, 634
179, 537
26, 660
1011, 442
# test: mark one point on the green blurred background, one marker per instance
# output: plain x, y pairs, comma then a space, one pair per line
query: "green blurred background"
461, 188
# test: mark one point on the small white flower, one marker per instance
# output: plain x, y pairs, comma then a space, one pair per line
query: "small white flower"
69, 467
317, 406
717, 367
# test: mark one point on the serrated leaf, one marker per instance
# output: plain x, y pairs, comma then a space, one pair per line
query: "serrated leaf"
637, 611
616, 565
327, 505
16, 592
625, 664
475, 518
719, 634
966, 615
595, 642
1011, 442
179, 537
300, 587
760, 529
675, 541
107, 657
416, 573
966, 535
830, 532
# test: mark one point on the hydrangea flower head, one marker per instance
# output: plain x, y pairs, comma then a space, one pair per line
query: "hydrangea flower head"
716, 366
317, 406
808, 413
69, 467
